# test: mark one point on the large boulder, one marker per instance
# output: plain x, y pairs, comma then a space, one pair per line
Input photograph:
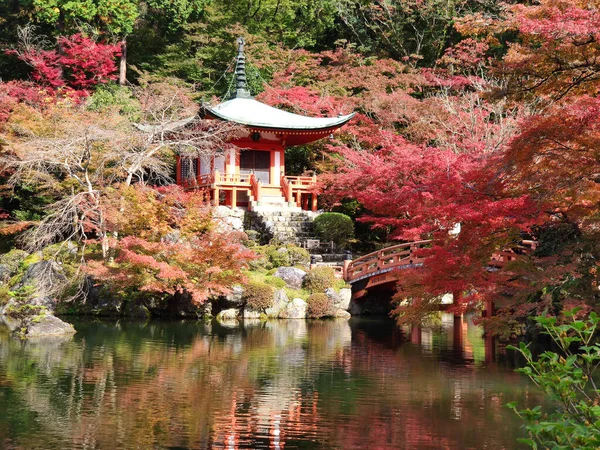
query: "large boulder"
235, 297
339, 313
49, 326
296, 309
340, 300
38, 276
292, 276
280, 302
229, 218
228, 315
250, 313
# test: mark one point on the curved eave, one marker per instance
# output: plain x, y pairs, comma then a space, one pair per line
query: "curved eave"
280, 121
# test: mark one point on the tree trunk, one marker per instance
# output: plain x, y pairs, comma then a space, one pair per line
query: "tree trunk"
60, 26
123, 63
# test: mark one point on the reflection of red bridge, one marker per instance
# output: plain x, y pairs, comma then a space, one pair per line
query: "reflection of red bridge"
378, 268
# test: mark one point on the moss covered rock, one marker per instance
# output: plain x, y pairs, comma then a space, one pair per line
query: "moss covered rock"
10, 263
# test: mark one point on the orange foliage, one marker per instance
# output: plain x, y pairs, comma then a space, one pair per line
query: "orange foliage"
167, 244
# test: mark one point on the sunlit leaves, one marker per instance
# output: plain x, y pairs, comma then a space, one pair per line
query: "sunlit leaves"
168, 245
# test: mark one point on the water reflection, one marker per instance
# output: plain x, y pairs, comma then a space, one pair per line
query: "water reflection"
289, 384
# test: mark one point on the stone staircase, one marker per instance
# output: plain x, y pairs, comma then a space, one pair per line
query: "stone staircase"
276, 220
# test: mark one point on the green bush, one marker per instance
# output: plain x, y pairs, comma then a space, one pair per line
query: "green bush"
278, 256
107, 96
567, 379
334, 227
298, 256
273, 256
319, 305
319, 279
258, 296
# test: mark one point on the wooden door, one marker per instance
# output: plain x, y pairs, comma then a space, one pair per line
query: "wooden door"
257, 162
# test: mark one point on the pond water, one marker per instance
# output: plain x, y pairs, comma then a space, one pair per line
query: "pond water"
361, 384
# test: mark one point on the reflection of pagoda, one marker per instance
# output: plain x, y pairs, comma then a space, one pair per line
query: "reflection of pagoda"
253, 173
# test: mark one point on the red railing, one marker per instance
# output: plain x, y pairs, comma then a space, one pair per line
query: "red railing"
199, 181
234, 179
386, 259
300, 182
403, 255
255, 186
217, 179
286, 189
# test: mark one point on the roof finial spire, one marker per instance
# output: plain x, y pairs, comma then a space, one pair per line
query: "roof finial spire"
241, 90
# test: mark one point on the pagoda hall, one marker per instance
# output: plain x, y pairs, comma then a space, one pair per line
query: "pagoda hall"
252, 172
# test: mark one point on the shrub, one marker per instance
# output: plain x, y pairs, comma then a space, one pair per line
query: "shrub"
319, 305
335, 227
258, 296
298, 255
319, 279
278, 256
567, 379
274, 256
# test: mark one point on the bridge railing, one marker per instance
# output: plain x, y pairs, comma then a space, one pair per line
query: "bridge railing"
383, 260
403, 255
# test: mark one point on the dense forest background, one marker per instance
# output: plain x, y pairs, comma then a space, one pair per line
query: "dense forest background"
476, 113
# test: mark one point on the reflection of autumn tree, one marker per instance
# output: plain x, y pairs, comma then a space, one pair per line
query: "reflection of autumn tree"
203, 386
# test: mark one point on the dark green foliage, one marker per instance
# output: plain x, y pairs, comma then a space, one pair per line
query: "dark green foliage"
567, 379
25, 202
107, 96
334, 227
22, 309
319, 279
367, 239
258, 296
299, 159
318, 306
554, 237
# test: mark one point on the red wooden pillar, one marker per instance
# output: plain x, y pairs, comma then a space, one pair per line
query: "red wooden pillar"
490, 348
347, 263
272, 178
415, 334
488, 312
457, 341
313, 202
178, 174
233, 197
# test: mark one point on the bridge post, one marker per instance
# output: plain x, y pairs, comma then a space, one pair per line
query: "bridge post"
457, 335
415, 334
488, 312
346, 265
490, 348
347, 262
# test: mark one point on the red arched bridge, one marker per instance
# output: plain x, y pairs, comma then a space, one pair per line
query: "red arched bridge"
378, 268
